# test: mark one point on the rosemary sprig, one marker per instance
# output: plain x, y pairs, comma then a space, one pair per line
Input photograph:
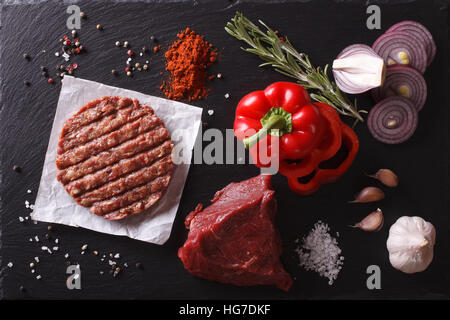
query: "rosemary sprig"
281, 55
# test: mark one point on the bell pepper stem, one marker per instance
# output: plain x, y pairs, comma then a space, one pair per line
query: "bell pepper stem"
275, 122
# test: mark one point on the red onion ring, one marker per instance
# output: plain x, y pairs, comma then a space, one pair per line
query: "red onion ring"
393, 120
421, 33
398, 76
390, 44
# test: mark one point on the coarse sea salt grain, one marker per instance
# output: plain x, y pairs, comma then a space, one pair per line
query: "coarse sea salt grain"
320, 252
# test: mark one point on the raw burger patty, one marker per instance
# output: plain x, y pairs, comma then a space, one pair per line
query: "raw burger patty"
114, 157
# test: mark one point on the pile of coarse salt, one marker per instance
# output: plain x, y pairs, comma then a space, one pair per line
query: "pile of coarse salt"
320, 252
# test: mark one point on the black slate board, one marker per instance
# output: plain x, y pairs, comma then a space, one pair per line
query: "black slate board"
319, 28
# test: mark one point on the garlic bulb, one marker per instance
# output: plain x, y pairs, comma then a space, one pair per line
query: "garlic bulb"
410, 244
358, 69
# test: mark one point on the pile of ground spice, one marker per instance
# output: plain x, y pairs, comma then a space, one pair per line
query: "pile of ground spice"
187, 60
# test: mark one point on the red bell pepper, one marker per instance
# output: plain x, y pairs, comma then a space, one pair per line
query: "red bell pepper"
330, 144
282, 110
307, 134
321, 176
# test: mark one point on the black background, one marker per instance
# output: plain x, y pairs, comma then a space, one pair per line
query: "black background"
319, 28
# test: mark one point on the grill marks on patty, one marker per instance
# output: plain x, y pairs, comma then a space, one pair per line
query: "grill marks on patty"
128, 131
114, 156
105, 125
128, 182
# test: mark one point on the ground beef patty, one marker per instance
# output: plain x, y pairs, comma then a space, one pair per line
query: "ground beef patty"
114, 157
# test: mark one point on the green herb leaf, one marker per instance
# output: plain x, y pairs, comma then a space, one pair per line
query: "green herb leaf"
282, 56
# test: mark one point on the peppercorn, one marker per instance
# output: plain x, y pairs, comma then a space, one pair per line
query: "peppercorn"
77, 43
139, 265
47, 236
26, 56
144, 49
145, 67
22, 289
26, 82
74, 33
219, 76
99, 27
117, 43
125, 44
43, 68
137, 65
16, 168
44, 74
114, 72
153, 38
49, 228
83, 15
129, 73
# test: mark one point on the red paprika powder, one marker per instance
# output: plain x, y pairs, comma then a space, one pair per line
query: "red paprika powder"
187, 60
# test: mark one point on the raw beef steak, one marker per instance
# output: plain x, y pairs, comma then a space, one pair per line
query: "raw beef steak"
234, 239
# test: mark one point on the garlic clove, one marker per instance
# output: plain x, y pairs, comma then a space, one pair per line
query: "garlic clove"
386, 177
372, 223
369, 194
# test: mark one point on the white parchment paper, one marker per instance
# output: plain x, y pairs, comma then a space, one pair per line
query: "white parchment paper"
54, 204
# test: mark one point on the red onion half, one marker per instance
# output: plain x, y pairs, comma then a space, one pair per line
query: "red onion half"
393, 120
399, 47
358, 69
421, 33
403, 81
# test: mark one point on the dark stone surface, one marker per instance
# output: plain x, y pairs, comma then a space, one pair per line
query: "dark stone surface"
319, 28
